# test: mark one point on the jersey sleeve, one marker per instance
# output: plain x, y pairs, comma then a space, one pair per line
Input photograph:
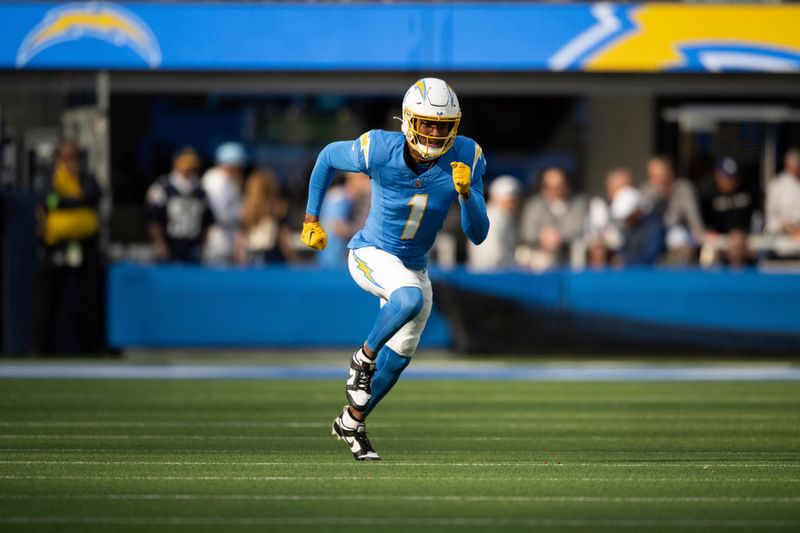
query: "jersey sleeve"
478, 169
474, 220
347, 156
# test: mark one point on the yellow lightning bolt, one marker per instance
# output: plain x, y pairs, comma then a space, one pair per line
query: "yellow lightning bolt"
478, 153
365, 147
421, 86
362, 266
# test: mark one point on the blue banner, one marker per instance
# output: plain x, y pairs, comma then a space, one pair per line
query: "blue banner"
186, 306
601, 37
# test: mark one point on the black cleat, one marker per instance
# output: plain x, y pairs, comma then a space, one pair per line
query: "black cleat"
356, 439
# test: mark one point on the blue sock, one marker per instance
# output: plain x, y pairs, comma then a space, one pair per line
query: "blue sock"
388, 367
403, 305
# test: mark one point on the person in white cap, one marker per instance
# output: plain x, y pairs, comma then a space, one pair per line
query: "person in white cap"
497, 251
642, 232
223, 186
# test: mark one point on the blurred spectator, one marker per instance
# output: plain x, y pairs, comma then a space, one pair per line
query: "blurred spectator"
344, 212
497, 251
729, 209
265, 236
701, 173
783, 198
731, 205
178, 211
603, 235
223, 186
642, 232
69, 316
676, 200
552, 220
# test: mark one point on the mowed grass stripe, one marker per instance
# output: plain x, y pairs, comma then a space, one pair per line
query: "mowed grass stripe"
224, 454
407, 522
401, 497
499, 464
375, 477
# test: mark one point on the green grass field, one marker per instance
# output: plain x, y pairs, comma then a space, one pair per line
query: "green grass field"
116, 455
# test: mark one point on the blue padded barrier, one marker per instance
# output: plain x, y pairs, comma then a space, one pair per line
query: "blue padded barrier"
179, 305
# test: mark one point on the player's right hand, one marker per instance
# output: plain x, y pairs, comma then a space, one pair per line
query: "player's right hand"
314, 236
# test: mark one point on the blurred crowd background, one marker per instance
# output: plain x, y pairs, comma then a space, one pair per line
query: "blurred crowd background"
233, 212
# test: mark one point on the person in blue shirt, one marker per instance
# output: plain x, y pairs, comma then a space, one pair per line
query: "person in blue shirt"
343, 213
643, 233
416, 174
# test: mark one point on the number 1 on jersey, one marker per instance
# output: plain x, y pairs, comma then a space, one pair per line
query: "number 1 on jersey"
418, 204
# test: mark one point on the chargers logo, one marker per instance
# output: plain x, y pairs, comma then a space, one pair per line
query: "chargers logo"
420, 85
664, 37
100, 20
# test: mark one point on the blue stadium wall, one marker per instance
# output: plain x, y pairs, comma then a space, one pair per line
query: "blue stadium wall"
513, 312
241, 36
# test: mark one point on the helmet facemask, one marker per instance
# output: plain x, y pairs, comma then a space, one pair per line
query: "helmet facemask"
429, 146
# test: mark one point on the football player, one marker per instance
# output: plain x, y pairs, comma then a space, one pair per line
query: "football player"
416, 175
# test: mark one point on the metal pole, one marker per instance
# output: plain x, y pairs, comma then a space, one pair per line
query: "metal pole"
103, 165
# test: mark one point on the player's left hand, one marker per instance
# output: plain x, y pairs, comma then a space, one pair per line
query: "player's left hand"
461, 177
314, 236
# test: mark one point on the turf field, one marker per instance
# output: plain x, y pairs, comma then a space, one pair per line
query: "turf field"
239, 455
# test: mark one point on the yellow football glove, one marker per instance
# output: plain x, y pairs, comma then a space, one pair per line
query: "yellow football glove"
314, 236
461, 177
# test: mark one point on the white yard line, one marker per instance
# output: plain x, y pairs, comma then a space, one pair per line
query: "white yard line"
583, 438
410, 498
682, 424
91, 424
535, 416
542, 453
373, 476
538, 464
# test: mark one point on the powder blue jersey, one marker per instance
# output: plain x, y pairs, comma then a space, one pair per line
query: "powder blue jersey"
407, 209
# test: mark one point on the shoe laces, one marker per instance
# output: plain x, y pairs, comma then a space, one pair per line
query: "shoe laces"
363, 379
363, 440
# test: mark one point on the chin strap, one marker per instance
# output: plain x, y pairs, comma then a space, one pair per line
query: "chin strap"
429, 155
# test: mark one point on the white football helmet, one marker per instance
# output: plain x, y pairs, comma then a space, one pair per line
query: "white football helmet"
430, 99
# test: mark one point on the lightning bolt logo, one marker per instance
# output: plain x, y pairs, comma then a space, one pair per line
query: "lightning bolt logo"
478, 153
100, 20
668, 37
420, 85
362, 266
365, 147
